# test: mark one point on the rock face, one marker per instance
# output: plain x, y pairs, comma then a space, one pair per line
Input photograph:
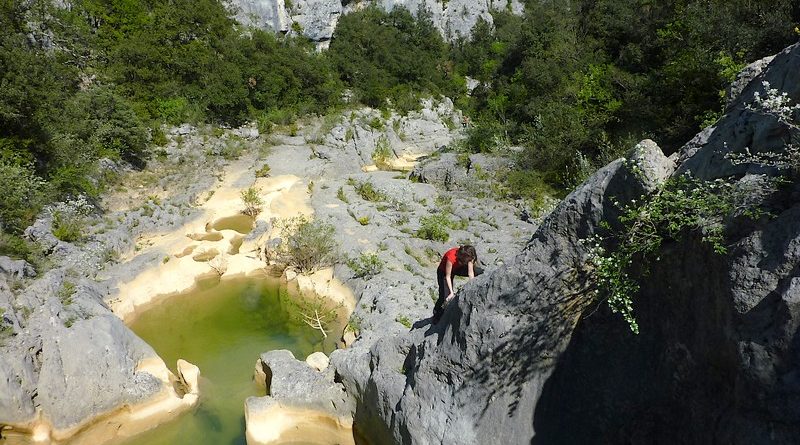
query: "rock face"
69, 357
717, 359
316, 19
476, 376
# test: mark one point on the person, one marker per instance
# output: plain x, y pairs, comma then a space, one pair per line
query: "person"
461, 261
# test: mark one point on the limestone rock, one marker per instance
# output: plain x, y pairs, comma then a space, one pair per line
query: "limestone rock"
318, 360
16, 268
476, 376
745, 128
316, 19
744, 77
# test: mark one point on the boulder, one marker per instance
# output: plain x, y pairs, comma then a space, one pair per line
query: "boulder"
16, 268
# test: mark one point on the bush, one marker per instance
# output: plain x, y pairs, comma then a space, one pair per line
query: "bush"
306, 245
69, 219
252, 201
368, 192
434, 228
367, 265
263, 172
382, 153
23, 194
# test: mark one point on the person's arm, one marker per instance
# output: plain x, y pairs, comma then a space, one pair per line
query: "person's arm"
448, 278
471, 270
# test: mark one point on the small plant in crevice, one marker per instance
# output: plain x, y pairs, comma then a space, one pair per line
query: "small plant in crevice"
355, 324
342, 197
404, 320
680, 206
383, 153
366, 265
65, 293
252, 201
368, 192
263, 172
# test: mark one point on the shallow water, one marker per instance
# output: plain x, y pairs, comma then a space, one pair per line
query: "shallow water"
222, 329
240, 223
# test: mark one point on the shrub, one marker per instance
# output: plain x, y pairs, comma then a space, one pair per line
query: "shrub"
69, 219
382, 153
342, 197
23, 193
363, 220
368, 192
367, 265
434, 228
306, 245
263, 172
681, 205
252, 201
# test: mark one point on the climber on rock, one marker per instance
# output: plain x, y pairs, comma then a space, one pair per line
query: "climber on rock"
461, 261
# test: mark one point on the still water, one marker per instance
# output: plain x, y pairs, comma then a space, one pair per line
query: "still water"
222, 328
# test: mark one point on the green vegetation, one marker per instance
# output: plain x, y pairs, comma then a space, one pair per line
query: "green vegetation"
392, 58
263, 172
368, 192
383, 153
404, 320
573, 84
65, 292
306, 245
435, 227
342, 197
680, 207
367, 265
252, 201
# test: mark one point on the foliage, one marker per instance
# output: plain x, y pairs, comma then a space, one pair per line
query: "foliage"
251, 197
368, 192
404, 320
306, 245
681, 206
342, 197
69, 218
575, 83
435, 227
391, 57
383, 153
263, 172
366, 265
23, 195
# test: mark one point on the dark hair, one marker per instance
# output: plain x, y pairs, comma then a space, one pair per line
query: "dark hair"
465, 254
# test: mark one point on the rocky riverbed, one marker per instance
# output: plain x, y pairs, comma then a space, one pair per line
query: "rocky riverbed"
178, 221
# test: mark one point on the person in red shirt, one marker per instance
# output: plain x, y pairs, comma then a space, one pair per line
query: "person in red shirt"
461, 261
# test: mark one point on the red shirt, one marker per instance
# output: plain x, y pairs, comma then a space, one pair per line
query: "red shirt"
450, 256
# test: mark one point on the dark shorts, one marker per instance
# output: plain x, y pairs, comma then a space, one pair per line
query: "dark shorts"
462, 271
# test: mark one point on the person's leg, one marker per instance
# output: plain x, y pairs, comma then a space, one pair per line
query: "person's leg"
438, 308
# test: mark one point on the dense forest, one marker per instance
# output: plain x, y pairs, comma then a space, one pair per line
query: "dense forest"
572, 83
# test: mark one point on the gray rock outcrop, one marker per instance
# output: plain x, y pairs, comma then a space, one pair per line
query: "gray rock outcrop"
476, 376
716, 360
316, 19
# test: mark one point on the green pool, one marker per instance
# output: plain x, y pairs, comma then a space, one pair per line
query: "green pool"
222, 328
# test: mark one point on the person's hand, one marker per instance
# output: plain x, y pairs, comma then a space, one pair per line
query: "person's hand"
449, 297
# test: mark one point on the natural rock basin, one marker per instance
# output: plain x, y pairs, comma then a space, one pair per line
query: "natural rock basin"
222, 328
